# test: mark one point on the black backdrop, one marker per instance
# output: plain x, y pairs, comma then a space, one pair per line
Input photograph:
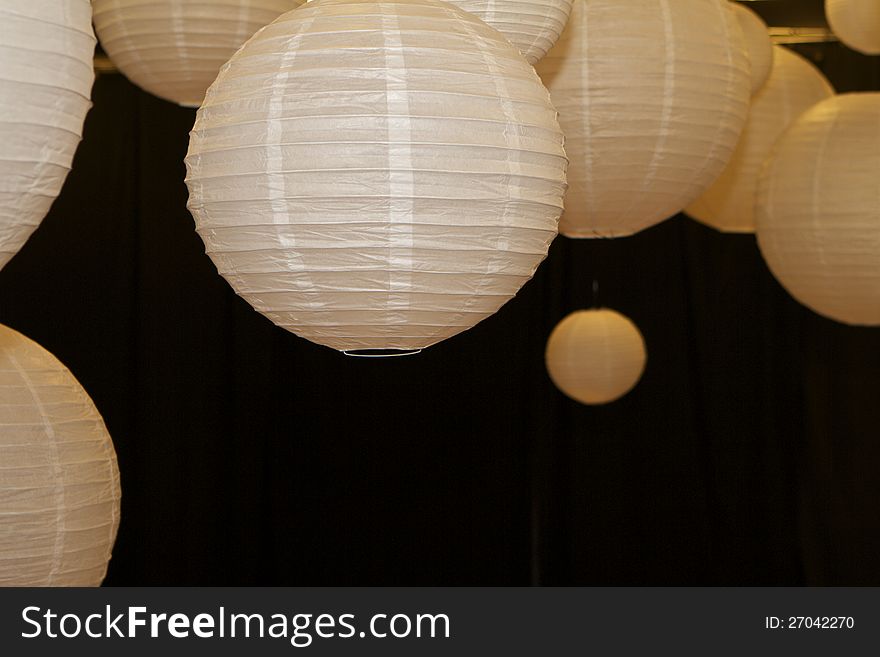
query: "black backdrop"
749, 453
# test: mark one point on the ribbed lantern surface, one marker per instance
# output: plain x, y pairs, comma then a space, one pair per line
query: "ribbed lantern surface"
175, 48
818, 209
59, 484
652, 97
595, 356
758, 44
795, 85
377, 175
46, 76
856, 23
533, 26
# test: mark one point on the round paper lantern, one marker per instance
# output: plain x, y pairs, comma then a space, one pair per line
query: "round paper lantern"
856, 23
46, 77
59, 484
794, 86
652, 97
819, 209
595, 356
533, 26
758, 45
174, 48
377, 175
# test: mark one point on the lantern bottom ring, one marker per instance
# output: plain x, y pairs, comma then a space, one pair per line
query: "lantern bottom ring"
381, 353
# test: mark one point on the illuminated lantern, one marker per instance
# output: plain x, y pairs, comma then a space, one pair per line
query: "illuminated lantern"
818, 209
794, 86
175, 48
59, 484
595, 356
382, 211
856, 23
652, 97
758, 45
46, 77
533, 26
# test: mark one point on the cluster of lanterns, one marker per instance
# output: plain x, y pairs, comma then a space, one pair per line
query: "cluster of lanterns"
378, 177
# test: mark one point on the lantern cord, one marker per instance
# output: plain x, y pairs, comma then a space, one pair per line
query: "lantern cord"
595, 293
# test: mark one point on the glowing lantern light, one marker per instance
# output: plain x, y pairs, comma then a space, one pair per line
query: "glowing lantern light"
856, 23
819, 209
595, 356
794, 86
758, 45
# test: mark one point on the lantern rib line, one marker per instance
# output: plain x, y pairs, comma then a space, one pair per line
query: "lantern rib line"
442, 145
64, 26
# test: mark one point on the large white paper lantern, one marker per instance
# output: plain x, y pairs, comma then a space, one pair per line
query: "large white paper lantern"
595, 356
856, 23
377, 175
819, 209
46, 76
758, 44
174, 48
533, 26
652, 97
59, 484
794, 86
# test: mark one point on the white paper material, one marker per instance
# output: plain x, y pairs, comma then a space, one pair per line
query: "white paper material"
758, 44
377, 175
533, 26
46, 76
794, 87
174, 48
818, 209
59, 483
652, 97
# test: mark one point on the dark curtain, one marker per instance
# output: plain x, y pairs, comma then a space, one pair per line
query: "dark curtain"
749, 453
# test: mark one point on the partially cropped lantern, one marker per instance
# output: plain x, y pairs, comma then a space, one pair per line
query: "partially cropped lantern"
795, 85
377, 175
856, 23
175, 48
46, 77
533, 26
652, 97
819, 209
595, 356
758, 44
59, 484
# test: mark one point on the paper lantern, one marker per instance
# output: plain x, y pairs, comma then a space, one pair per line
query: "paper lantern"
595, 356
758, 45
652, 97
794, 86
175, 48
533, 26
46, 77
377, 175
856, 23
819, 209
59, 484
